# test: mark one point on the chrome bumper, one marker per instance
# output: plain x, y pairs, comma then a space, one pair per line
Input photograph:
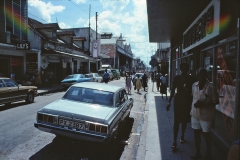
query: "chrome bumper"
81, 135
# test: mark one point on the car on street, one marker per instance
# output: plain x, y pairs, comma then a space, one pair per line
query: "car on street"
134, 77
74, 78
86, 112
94, 77
116, 73
10, 92
101, 73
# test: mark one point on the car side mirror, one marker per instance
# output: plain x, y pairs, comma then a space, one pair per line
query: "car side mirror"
19, 85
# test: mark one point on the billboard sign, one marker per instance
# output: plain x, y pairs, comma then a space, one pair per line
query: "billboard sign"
95, 48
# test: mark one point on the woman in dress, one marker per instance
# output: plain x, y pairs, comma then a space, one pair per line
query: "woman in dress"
138, 82
128, 83
182, 101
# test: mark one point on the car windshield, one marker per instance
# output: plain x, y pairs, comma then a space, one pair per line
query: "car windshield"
113, 71
10, 83
71, 76
87, 95
88, 75
96, 75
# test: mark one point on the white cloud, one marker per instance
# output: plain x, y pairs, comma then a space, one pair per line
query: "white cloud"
63, 25
81, 20
45, 10
80, 1
115, 6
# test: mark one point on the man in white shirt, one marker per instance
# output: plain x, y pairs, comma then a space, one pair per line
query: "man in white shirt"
203, 107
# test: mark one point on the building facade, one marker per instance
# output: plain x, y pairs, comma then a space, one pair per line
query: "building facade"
210, 39
14, 37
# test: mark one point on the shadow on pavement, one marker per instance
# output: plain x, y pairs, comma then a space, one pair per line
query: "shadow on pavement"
165, 126
69, 149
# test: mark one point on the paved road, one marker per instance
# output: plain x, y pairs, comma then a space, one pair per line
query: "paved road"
20, 140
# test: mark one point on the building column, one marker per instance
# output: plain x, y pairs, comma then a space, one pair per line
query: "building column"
39, 61
72, 66
89, 66
96, 65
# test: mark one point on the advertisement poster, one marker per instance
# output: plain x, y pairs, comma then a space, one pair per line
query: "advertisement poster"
31, 63
95, 48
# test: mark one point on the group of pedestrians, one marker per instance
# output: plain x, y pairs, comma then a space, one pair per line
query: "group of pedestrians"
194, 102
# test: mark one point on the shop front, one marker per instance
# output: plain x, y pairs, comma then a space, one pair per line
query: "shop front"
207, 44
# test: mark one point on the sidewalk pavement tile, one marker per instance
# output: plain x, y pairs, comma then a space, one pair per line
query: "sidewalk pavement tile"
160, 132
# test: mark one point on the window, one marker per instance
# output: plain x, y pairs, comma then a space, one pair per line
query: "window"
89, 96
10, 83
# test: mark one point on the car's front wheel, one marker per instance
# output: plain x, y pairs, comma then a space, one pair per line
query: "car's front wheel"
30, 98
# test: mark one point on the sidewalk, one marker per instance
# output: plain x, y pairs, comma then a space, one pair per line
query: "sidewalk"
159, 136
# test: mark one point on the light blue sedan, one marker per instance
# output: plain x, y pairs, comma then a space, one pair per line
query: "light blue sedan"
87, 111
74, 78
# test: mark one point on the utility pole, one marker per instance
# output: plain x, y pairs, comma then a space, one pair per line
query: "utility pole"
96, 25
89, 39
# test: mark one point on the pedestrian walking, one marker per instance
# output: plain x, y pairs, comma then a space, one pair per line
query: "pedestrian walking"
144, 81
128, 83
124, 74
163, 86
106, 76
50, 78
12, 75
202, 112
37, 79
138, 82
158, 80
182, 102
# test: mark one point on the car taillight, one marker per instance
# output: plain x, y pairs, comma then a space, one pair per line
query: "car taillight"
91, 127
46, 118
40, 117
95, 127
104, 129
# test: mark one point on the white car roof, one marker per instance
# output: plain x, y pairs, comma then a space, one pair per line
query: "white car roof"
99, 86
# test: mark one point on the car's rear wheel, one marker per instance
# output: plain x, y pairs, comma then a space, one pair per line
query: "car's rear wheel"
30, 98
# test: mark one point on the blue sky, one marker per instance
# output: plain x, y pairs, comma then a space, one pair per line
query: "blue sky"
128, 17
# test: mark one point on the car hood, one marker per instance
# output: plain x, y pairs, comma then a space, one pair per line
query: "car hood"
78, 110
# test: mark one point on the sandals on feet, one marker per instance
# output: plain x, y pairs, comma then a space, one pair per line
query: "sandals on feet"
182, 140
174, 145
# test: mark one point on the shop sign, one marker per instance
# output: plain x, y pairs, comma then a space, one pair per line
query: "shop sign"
16, 62
44, 63
203, 28
23, 46
95, 48
31, 62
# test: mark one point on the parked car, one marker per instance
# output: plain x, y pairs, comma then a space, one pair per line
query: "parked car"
94, 77
93, 112
10, 92
101, 72
134, 77
116, 73
74, 78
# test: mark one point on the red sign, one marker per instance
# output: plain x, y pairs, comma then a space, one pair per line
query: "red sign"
16, 62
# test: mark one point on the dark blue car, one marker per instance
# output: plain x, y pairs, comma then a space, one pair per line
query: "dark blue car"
74, 78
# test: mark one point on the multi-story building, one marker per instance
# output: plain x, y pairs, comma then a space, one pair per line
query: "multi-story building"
27, 45
116, 53
204, 34
14, 37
